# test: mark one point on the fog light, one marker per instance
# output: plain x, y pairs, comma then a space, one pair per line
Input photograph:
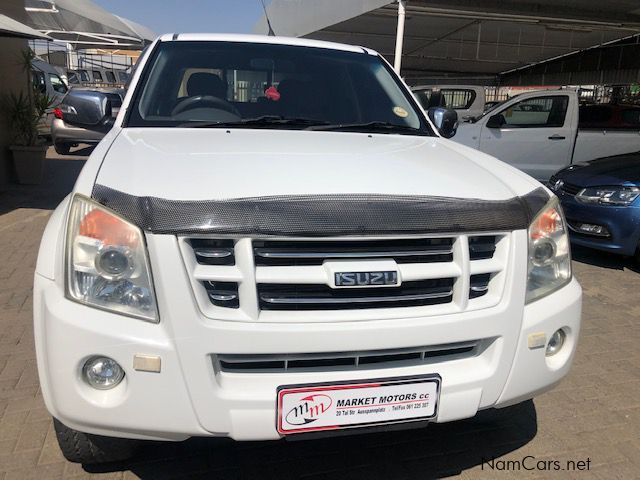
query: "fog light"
555, 342
592, 229
102, 373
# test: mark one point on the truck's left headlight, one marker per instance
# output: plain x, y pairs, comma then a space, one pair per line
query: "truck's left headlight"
106, 262
549, 266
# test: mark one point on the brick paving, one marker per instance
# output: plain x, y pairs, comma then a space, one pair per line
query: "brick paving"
593, 415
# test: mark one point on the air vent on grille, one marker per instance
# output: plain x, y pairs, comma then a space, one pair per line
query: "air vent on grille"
213, 252
223, 294
482, 247
349, 360
479, 285
322, 297
292, 253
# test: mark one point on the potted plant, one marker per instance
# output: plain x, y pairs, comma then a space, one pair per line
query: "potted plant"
23, 112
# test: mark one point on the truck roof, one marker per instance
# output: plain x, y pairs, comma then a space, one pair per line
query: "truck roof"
231, 37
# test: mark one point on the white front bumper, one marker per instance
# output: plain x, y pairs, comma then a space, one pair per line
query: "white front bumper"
189, 398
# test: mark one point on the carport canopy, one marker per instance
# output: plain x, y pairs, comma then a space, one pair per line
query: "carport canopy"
12, 28
84, 24
460, 37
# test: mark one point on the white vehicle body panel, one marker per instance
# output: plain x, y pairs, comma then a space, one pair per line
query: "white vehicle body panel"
321, 162
542, 151
192, 395
600, 143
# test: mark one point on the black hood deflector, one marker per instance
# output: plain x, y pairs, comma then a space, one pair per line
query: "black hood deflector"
324, 215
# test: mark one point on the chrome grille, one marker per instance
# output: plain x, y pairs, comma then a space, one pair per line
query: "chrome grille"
293, 280
346, 360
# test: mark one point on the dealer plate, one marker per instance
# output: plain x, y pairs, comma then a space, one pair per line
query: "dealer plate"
316, 408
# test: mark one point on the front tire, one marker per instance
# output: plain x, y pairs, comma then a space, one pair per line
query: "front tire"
80, 447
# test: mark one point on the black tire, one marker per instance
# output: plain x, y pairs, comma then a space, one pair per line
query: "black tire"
62, 148
86, 448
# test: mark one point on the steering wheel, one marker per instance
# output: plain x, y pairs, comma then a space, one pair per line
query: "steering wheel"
200, 101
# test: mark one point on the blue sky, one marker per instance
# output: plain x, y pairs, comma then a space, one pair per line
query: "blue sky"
163, 16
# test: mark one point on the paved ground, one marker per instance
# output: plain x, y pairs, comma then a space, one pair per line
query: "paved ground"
593, 415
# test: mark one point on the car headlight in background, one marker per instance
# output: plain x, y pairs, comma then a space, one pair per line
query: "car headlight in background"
549, 256
619, 196
107, 264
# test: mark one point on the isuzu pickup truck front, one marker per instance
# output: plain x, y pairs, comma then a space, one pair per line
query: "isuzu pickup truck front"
275, 240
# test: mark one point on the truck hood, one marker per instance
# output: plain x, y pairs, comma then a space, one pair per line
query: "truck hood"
617, 170
220, 164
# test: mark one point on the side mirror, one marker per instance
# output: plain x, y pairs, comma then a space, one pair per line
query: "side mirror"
445, 120
496, 121
87, 109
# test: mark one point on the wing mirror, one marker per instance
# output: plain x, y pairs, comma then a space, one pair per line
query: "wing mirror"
496, 121
87, 109
445, 120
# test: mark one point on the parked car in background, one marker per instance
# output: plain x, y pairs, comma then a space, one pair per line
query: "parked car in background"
491, 105
47, 81
97, 77
467, 100
542, 132
75, 121
601, 200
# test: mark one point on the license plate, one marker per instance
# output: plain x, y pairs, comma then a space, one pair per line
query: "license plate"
349, 405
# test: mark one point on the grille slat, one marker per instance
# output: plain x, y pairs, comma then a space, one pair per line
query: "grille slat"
349, 360
296, 253
322, 297
482, 247
479, 285
213, 252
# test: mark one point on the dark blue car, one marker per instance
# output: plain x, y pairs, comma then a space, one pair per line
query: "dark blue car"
601, 200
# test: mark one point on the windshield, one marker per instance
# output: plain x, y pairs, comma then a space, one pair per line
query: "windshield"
217, 84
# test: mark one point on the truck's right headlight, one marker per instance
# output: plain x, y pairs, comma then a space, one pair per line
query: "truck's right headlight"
549, 254
106, 262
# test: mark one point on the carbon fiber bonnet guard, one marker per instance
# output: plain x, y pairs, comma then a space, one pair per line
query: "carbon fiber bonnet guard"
324, 215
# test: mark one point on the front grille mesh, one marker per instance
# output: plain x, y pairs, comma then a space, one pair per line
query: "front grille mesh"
345, 360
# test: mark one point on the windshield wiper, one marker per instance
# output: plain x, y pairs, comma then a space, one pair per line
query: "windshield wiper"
376, 126
263, 121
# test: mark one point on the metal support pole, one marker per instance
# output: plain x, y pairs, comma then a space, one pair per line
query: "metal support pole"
397, 60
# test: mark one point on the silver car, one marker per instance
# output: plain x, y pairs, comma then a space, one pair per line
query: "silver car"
84, 104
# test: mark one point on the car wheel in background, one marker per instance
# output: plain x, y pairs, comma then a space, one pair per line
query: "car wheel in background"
62, 148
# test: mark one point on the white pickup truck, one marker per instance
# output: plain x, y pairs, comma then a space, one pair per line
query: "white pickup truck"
541, 132
256, 250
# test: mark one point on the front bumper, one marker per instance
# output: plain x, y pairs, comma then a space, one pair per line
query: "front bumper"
623, 223
189, 398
